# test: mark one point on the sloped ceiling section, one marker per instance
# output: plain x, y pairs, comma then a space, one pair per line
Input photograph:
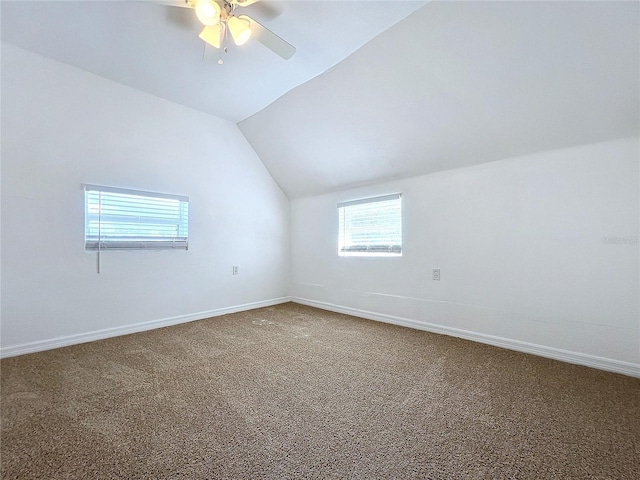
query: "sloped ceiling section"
456, 84
155, 48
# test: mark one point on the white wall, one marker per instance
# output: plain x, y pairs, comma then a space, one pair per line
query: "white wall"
62, 127
541, 249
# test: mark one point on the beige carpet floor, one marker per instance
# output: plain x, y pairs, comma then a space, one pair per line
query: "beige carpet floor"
294, 392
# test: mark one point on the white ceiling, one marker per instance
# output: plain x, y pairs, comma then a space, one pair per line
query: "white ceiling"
376, 90
457, 84
156, 48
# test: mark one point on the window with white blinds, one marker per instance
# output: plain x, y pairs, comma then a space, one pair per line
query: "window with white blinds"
371, 226
119, 219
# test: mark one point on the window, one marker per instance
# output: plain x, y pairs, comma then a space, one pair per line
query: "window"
118, 219
371, 226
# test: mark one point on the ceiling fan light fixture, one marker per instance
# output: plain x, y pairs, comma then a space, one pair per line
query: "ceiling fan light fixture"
208, 12
240, 29
212, 35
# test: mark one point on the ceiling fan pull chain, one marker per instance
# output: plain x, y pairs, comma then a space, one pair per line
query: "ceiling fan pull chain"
223, 38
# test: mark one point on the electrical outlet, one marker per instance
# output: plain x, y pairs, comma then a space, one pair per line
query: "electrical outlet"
436, 274
236, 269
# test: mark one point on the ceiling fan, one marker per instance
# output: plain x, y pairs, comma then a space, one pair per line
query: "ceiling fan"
220, 19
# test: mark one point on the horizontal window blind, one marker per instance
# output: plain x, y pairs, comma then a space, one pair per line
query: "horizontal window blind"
119, 219
371, 226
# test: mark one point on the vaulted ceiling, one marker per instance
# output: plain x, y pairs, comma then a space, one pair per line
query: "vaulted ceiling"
457, 84
155, 48
377, 89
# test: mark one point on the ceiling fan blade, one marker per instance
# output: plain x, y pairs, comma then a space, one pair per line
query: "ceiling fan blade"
269, 39
177, 3
244, 3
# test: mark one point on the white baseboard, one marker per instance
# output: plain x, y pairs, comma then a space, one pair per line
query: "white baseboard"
58, 342
601, 363
625, 368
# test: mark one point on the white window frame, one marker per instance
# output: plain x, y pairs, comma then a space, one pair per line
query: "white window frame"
347, 247
96, 240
